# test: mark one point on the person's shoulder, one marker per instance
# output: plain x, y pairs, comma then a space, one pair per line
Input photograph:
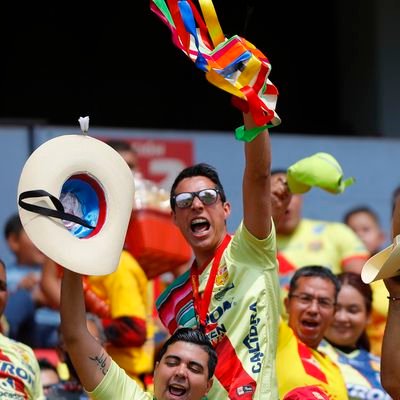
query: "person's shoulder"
327, 349
243, 234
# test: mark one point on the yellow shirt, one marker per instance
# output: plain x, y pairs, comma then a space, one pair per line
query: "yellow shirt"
330, 244
299, 365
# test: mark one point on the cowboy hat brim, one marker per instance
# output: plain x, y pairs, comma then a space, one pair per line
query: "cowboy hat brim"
383, 265
48, 168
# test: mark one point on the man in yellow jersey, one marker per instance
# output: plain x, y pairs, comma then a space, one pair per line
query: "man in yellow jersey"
20, 373
310, 305
184, 369
302, 241
231, 290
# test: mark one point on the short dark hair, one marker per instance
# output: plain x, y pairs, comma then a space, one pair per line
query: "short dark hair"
201, 169
314, 271
361, 209
44, 363
277, 171
13, 225
120, 145
194, 336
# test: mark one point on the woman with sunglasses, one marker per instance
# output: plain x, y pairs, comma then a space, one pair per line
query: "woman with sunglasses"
347, 341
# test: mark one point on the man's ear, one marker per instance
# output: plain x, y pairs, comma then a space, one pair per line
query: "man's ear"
227, 209
286, 303
209, 384
156, 367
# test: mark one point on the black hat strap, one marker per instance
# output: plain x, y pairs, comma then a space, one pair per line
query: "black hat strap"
59, 212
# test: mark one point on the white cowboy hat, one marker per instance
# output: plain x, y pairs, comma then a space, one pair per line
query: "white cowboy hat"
384, 264
75, 198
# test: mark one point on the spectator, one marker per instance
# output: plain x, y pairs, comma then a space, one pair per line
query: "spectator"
303, 241
28, 314
365, 224
20, 376
231, 290
347, 340
310, 306
48, 376
127, 152
185, 367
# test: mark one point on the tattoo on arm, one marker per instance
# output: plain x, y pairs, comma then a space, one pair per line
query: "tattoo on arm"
100, 360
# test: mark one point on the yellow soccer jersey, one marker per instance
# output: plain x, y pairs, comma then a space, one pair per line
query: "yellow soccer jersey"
330, 244
242, 317
19, 371
298, 365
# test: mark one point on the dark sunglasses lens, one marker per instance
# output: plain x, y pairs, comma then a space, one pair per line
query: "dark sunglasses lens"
208, 196
183, 200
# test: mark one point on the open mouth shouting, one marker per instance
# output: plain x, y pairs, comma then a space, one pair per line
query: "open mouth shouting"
309, 325
199, 226
177, 391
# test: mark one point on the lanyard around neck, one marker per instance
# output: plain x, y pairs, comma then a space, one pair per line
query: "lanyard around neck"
202, 301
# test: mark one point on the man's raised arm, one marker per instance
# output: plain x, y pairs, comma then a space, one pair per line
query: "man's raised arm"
390, 360
88, 357
256, 183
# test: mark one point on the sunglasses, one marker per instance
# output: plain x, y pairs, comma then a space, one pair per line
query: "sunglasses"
206, 196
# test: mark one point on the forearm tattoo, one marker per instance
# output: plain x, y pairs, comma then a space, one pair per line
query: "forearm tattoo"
100, 360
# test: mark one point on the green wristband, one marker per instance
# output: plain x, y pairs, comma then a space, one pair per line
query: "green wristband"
250, 134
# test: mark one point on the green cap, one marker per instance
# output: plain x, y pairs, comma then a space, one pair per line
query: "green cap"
321, 170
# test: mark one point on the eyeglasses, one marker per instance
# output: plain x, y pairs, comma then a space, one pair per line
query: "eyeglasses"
206, 196
306, 300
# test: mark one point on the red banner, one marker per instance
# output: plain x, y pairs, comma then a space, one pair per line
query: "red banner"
160, 160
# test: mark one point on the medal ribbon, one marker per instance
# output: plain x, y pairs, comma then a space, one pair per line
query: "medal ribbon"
202, 302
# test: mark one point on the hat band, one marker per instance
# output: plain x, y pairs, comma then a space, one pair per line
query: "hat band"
49, 212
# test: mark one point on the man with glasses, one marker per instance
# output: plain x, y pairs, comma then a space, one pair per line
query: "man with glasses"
231, 290
311, 306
